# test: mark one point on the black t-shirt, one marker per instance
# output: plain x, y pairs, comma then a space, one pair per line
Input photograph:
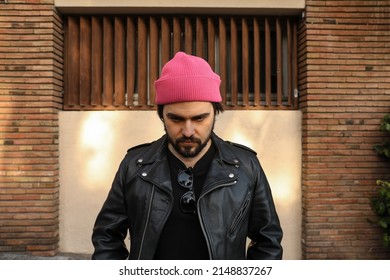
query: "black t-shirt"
182, 237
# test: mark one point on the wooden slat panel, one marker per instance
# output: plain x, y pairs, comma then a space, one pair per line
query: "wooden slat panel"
211, 42
85, 61
73, 65
66, 63
245, 62
233, 62
199, 37
142, 61
120, 58
279, 63
131, 60
176, 35
222, 58
268, 58
97, 62
153, 59
289, 64
188, 35
295, 63
101, 67
257, 62
165, 40
108, 61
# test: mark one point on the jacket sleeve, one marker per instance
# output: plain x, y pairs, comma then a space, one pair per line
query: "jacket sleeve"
265, 231
111, 224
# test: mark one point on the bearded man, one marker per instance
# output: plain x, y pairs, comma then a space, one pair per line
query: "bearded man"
189, 194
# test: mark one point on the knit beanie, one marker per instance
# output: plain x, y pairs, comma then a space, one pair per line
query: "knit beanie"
187, 78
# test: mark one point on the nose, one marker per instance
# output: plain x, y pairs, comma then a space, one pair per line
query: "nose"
188, 129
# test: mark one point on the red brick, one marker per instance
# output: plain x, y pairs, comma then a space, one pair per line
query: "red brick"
344, 96
30, 95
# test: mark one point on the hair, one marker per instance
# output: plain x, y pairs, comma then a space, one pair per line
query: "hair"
218, 108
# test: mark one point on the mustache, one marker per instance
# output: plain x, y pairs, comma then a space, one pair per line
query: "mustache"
190, 139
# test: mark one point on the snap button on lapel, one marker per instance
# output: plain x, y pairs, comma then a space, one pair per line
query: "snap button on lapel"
140, 161
144, 174
231, 175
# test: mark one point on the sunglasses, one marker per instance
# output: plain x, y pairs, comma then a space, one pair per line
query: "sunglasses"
187, 201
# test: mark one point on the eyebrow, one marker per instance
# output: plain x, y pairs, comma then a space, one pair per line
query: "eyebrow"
178, 117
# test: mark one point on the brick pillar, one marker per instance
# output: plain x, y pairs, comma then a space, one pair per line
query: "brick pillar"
31, 49
344, 94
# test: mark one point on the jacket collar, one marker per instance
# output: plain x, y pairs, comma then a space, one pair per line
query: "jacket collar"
155, 167
154, 152
225, 151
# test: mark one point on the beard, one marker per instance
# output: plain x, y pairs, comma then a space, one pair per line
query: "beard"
189, 151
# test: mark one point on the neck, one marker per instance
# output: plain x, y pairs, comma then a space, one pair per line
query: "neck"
191, 161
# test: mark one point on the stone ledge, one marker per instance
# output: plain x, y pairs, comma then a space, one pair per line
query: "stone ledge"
60, 256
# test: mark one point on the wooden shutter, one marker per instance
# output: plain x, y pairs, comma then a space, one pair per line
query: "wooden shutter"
111, 62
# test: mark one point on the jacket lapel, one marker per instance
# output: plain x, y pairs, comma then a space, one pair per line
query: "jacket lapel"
224, 168
154, 165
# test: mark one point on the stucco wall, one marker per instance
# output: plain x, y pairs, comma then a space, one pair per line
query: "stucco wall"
92, 144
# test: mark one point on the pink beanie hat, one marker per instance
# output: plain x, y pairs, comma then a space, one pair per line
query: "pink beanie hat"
187, 78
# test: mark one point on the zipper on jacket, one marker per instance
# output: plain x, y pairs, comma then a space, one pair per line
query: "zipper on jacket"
200, 217
241, 213
146, 223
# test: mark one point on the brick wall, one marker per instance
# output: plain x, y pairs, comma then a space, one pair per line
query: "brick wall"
345, 92
30, 95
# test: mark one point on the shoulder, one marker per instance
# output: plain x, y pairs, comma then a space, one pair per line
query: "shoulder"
149, 152
139, 147
241, 147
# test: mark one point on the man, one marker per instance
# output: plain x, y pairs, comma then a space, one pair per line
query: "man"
188, 195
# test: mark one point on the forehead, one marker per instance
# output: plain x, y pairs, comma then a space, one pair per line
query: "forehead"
188, 109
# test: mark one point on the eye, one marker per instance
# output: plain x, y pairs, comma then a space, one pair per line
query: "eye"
199, 118
175, 119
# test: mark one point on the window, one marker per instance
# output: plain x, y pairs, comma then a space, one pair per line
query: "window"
111, 62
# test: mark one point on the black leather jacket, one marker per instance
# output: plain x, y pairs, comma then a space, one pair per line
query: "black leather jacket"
235, 203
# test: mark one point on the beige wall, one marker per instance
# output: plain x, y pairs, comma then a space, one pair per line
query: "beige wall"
194, 6
92, 144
